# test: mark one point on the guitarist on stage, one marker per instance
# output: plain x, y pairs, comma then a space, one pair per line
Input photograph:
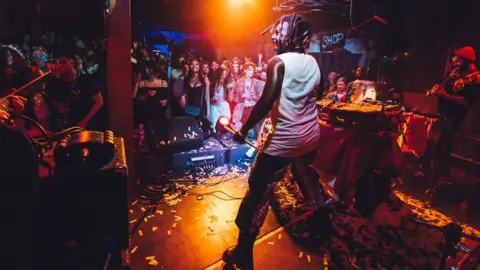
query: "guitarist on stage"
73, 98
458, 94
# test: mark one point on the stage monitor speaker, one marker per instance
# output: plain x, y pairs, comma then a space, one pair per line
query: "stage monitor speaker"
184, 134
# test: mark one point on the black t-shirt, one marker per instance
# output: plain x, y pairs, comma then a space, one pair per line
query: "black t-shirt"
77, 95
470, 93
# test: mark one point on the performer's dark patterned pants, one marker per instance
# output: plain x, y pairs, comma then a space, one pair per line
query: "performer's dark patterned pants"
265, 172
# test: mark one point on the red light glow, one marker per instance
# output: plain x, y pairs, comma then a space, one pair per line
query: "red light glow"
224, 121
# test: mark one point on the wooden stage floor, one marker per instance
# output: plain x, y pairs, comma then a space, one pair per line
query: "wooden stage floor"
191, 226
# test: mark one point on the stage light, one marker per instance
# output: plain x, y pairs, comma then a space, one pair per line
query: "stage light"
221, 124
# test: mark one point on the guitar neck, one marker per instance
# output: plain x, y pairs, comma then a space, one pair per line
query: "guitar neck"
22, 91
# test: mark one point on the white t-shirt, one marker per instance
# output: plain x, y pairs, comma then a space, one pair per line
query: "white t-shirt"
295, 130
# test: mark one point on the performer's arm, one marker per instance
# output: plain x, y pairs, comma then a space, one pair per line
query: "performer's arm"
457, 99
320, 88
273, 87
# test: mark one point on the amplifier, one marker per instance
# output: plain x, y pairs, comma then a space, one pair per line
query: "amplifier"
184, 134
90, 206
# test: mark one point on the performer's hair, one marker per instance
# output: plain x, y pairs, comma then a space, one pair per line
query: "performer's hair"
299, 32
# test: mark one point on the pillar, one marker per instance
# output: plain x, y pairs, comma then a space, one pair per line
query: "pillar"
119, 80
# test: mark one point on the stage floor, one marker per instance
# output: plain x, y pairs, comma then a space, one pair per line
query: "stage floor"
191, 226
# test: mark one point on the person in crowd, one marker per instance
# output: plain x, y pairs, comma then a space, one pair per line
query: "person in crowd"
263, 76
177, 85
153, 97
246, 93
331, 83
14, 72
220, 106
351, 87
206, 70
196, 99
293, 86
73, 98
340, 94
178, 70
214, 66
79, 64
236, 72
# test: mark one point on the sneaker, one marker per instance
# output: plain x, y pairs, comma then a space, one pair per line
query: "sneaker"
242, 258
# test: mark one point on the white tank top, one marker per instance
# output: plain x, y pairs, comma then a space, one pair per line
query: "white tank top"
295, 130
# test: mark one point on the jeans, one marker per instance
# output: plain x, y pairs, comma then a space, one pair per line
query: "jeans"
265, 172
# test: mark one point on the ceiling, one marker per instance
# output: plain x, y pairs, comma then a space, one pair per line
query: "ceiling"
312, 5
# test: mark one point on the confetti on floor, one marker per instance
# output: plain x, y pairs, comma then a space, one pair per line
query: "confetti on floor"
407, 245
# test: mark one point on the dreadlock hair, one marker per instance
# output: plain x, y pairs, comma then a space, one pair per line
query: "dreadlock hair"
299, 32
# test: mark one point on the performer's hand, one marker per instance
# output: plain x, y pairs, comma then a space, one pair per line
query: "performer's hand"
441, 93
4, 116
18, 103
82, 124
183, 102
152, 92
240, 136
208, 116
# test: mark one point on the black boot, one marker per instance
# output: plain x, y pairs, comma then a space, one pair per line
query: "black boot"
242, 254
320, 224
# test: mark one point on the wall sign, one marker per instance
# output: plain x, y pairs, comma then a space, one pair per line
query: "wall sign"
330, 40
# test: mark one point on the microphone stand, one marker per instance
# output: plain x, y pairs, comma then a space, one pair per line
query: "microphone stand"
229, 129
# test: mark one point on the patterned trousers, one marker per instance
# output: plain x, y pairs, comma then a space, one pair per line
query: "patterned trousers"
265, 172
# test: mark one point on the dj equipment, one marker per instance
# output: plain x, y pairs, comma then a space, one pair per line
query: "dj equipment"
368, 116
364, 90
184, 134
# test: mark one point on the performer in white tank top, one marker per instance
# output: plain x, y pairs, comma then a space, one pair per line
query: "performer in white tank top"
295, 130
294, 83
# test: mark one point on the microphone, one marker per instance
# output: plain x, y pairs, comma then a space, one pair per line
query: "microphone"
267, 30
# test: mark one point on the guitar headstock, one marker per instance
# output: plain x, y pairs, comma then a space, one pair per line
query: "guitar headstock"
58, 69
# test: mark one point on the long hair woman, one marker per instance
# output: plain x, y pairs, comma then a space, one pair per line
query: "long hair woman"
153, 103
197, 92
220, 106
